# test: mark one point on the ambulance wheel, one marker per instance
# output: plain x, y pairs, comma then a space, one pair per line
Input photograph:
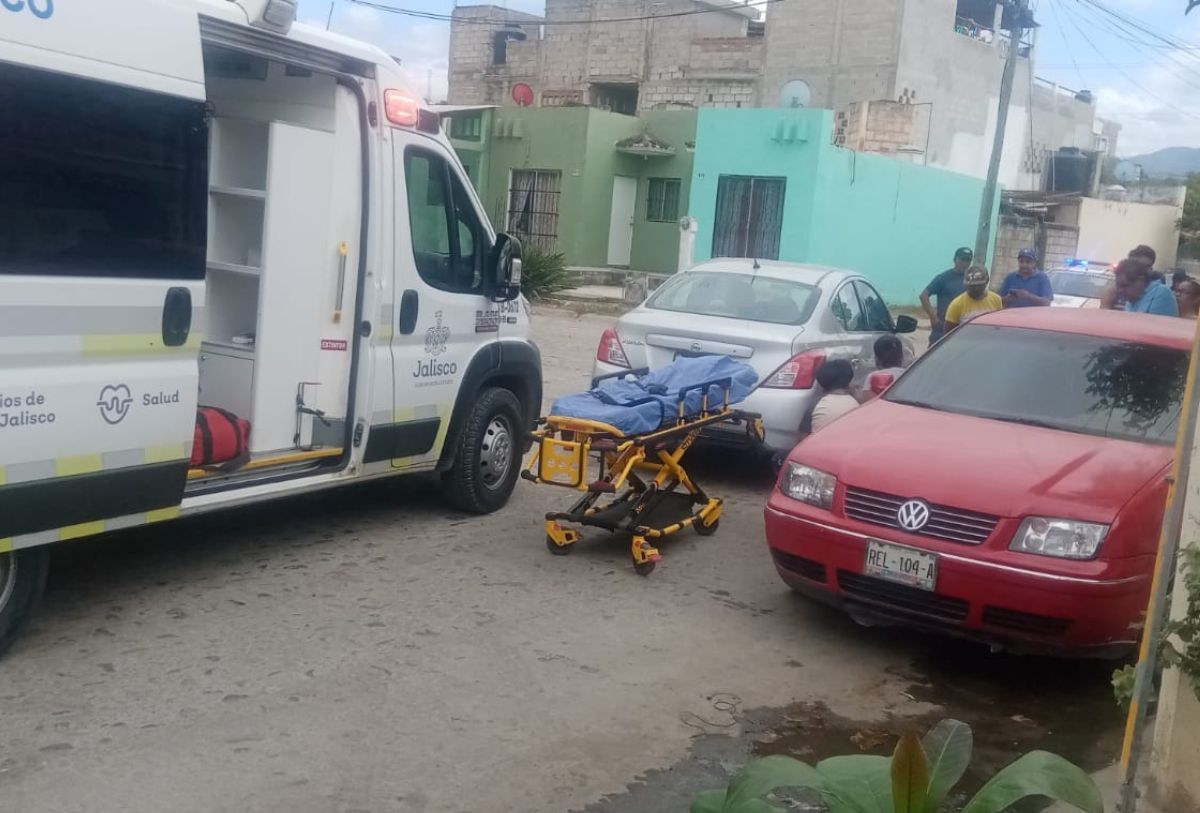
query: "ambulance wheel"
22, 579
487, 461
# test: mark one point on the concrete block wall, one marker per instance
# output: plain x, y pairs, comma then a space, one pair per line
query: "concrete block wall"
846, 50
473, 79
875, 126
1013, 233
1061, 242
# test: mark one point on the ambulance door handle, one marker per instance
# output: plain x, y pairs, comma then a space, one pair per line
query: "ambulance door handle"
409, 309
176, 316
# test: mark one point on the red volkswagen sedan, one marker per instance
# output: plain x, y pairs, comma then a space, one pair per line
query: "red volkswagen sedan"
1010, 486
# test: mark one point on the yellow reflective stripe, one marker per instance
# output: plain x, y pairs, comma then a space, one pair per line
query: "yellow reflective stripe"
83, 464
165, 454
163, 514
123, 343
82, 529
3, 475
6, 545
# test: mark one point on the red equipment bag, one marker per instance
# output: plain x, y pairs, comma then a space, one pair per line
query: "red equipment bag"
220, 437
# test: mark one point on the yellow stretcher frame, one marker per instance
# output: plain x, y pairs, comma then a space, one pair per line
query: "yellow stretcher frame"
639, 471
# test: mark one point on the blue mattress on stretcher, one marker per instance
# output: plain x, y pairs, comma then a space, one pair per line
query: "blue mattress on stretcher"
643, 404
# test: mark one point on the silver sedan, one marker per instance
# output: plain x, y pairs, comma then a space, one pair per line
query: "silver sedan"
783, 319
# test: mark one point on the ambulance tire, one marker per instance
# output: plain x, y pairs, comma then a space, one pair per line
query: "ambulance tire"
22, 579
488, 460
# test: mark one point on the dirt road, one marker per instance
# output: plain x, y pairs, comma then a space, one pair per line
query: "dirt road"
371, 651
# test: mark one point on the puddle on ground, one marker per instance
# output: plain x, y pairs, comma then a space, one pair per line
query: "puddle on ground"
1013, 705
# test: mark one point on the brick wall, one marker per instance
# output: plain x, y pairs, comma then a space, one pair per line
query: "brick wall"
1054, 242
877, 126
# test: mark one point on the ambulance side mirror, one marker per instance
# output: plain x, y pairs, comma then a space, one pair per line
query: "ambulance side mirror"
505, 269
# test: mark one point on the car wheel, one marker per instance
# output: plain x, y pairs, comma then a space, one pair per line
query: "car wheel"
487, 461
22, 579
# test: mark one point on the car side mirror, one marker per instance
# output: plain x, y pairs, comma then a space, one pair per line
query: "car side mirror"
505, 269
905, 324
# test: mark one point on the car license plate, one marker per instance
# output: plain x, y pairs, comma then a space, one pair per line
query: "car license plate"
897, 563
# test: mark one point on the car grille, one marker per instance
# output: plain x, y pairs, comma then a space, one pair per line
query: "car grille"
1025, 622
902, 597
951, 524
800, 566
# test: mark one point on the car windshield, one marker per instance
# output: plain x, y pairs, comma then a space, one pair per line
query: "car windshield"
1069, 283
1084, 384
738, 296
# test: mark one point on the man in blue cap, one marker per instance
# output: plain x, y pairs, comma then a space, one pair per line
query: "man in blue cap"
1026, 287
946, 286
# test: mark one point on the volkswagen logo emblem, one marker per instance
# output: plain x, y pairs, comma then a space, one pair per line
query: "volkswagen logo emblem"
913, 515
697, 347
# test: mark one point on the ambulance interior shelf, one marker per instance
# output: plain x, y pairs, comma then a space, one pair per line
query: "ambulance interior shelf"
273, 258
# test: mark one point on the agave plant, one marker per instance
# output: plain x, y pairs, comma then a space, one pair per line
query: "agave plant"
917, 778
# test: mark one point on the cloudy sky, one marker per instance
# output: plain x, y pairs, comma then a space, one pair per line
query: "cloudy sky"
1151, 87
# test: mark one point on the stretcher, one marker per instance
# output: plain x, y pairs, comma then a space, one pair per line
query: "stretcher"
634, 435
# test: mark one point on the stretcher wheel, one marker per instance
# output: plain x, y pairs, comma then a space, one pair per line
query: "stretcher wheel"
644, 568
555, 548
707, 530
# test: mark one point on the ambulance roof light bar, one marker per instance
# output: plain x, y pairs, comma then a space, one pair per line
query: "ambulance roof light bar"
275, 15
404, 110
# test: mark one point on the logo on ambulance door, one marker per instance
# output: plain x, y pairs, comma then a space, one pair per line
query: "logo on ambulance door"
114, 403
437, 337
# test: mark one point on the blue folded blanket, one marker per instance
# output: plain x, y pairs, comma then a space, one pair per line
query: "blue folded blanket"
643, 404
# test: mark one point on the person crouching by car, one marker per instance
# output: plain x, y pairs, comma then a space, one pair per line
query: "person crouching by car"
889, 363
976, 300
835, 377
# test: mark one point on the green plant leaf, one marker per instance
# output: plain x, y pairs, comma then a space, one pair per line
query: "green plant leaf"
948, 746
764, 775
710, 801
1038, 773
857, 784
910, 776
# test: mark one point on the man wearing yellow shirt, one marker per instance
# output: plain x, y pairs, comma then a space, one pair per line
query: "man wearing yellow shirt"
976, 300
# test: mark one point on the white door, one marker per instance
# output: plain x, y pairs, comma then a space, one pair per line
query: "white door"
102, 264
620, 221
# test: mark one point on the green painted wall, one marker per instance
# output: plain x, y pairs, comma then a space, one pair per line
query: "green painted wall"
473, 153
580, 143
656, 245
896, 222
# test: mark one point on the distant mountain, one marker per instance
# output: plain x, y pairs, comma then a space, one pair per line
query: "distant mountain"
1169, 162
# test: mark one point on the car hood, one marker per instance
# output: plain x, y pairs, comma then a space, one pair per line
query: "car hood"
984, 465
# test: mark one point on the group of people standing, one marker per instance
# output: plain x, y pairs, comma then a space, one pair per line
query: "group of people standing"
961, 292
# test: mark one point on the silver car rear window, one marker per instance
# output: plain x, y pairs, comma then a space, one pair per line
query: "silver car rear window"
737, 296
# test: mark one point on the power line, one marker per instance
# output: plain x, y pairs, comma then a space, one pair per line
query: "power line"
1150, 52
1062, 33
443, 17
1068, 12
1166, 39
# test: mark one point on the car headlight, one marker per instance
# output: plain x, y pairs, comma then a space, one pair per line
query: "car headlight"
809, 485
1064, 538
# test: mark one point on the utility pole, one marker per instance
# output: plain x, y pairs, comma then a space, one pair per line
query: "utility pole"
329, 19
984, 234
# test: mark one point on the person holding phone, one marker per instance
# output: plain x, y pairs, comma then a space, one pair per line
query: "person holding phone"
1027, 287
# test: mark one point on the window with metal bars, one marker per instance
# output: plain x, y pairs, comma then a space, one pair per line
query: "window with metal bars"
662, 204
533, 206
749, 217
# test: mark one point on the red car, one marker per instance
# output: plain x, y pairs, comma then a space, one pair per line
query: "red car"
1009, 486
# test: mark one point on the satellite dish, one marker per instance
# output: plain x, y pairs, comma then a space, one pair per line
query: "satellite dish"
522, 94
795, 93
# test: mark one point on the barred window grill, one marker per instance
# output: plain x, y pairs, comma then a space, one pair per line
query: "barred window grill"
533, 206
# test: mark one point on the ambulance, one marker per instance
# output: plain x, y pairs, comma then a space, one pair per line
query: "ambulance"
205, 204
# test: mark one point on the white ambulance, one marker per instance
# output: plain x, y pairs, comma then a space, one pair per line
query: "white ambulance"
202, 203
